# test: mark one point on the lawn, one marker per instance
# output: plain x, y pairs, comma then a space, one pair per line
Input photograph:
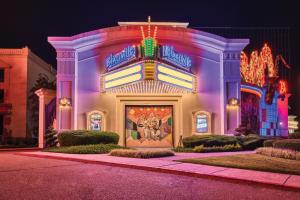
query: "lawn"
85, 149
251, 161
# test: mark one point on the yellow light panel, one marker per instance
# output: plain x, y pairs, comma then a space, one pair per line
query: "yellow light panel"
123, 81
174, 81
124, 72
175, 73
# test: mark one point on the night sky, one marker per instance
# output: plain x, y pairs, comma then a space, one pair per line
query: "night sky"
29, 23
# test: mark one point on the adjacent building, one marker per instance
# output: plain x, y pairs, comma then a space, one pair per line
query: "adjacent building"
19, 70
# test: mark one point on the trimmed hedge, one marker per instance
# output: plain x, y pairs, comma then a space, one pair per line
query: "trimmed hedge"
141, 153
291, 144
270, 143
84, 137
183, 150
226, 148
85, 149
294, 136
251, 142
208, 141
279, 153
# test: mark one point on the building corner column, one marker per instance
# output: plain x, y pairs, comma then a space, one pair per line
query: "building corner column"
67, 81
45, 96
231, 90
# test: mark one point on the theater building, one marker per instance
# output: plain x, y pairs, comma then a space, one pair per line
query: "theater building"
151, 82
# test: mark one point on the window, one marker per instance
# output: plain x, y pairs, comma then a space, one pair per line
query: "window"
96, 121
201, 122
1, 75
1, 96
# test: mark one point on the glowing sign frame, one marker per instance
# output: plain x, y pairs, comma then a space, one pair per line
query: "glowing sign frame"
174, 77
123, 76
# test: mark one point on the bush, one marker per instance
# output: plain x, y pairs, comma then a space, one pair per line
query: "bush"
84, 137
269, 143
183, 150
292, 144
208, 140
226, 148
85, 149
251, 142
294, 136
141, 153
279, 153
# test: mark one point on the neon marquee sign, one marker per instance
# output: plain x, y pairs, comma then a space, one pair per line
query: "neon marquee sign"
168, 53
125, 55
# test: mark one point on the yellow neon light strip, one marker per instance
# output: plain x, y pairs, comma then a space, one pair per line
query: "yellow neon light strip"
175, 73
122, 81
174, 81
124, 72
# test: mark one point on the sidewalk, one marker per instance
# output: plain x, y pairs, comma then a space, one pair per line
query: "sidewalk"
170, 165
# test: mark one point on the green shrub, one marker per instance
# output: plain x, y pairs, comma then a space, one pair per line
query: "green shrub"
141, 153
251, 142
225, 148
292, 144
183, 150
85, 149
294, 136
50, 137
279, 153
84, 137
269, 143
208, 140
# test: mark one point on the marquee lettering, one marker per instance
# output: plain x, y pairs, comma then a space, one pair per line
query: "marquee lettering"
124, 56
170, 55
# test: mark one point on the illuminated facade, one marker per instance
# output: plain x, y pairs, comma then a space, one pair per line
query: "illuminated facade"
151, 82
264, 105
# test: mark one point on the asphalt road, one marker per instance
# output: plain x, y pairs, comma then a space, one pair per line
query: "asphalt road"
39, 178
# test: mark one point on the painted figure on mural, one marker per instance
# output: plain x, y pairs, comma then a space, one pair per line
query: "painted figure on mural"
149, 125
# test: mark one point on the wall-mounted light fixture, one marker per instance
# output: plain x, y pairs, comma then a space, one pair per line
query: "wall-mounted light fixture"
233, 103
64, 102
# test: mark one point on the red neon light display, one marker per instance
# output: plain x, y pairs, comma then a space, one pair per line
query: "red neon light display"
253, 71
282, 88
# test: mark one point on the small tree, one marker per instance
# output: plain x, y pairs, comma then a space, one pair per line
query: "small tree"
33, 101
50, 137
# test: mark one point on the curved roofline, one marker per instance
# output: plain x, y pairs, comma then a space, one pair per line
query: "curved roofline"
98, 36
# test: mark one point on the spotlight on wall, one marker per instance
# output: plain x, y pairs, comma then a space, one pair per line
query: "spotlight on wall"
64, 102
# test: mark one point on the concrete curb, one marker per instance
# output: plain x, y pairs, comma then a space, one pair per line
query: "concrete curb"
21, 149
170, 171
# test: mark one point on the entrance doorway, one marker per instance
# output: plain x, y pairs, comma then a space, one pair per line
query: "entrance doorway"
250, 111
149, 125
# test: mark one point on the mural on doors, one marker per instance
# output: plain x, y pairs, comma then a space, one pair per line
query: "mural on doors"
149, 126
